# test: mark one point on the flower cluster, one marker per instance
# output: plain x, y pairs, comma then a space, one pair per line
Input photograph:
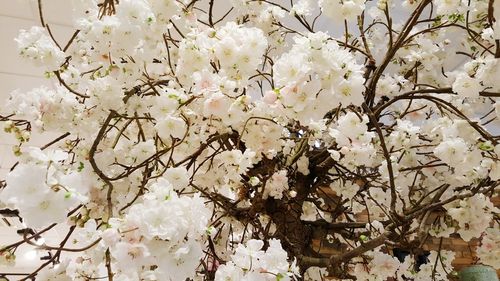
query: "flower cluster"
250, 262
47, 109
314, 76
42, 191
342, 10
381, 267
36, 45
147, 236
489, 251
353, 140
473, 215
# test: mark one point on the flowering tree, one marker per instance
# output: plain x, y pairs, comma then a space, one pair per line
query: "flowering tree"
198, 138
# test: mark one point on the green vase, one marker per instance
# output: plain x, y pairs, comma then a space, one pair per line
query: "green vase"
478, 273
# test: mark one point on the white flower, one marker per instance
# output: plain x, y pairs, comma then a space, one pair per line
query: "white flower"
177, 263
48, 208
350, 91
276, 185
110, 236
291, 68
452, 151
216, 104
492, 33
25, 185
46, 156
351, 128
77, 184
206, 81
37, 45
178, 177
275, 258
130, 256
135, 12
384, 265
229, 271
340, 10
489, 250
164, 9
250, 262
248, 256
302, 8
472, 214
347, 189
47, 109
303, 165
171, 127
188, 216
466, 86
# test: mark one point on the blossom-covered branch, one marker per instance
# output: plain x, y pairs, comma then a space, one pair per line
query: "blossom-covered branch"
221, 140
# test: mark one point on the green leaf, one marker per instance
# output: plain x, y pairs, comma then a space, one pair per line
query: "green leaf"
486, 146
363, 238
80, 167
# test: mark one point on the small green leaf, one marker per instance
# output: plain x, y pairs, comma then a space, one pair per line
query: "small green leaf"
363, 238
486, 146
209, 230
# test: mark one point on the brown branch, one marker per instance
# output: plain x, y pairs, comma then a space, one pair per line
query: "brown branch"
97, 170
108, 265
45, 146
370, 94
34, 236
387, 156
336, 225
62, 82
363, 248
73, 37
53, 258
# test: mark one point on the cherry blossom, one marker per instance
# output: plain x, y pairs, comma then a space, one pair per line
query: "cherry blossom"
225, 140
